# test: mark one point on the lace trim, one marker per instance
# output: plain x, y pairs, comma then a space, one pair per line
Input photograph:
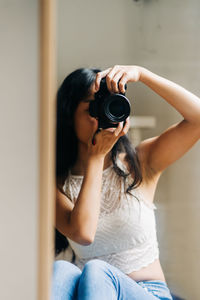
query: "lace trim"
127, 261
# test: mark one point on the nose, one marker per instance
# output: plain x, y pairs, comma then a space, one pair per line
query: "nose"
95, 123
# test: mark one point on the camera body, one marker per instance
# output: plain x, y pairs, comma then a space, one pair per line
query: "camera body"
109, 109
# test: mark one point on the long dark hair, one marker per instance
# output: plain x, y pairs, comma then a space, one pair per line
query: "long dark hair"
75, 87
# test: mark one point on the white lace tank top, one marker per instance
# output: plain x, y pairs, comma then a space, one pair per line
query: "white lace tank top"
126, 230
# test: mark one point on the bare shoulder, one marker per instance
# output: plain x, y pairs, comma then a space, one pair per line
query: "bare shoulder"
149, 180
149, 176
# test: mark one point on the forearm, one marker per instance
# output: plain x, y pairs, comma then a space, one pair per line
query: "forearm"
186, 103
85, 213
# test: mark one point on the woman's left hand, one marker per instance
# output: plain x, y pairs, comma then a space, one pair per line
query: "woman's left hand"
117, 77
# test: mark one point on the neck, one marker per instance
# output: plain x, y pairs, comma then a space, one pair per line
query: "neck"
80, 164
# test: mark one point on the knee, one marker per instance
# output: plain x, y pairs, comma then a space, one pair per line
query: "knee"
62, 268
98, 273
95, 264
94, 268
65, 278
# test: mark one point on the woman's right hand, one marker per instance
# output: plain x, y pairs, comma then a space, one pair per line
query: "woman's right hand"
105, 139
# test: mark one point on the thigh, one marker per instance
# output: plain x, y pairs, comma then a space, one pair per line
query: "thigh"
158, 288
100, 280
65, 279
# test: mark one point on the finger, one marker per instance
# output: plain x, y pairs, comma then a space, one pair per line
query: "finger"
110, 76
126, 127
99, 76
118, 129
114, 81
122, 83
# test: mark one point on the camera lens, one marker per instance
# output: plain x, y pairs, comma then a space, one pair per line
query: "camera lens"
116, 108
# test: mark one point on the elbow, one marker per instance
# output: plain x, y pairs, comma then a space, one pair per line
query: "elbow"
82, 234
84, 238
87, 242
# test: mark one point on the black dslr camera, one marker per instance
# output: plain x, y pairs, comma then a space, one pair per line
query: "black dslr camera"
109, 109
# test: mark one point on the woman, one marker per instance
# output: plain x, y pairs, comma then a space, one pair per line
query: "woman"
105, 189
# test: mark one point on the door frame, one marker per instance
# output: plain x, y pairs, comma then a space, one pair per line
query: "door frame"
47, 109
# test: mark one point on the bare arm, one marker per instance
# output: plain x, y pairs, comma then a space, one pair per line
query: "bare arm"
159, 152
185, 102
79, 221
86, 211
163, 150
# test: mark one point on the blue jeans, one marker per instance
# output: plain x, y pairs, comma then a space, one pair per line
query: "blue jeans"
100, 280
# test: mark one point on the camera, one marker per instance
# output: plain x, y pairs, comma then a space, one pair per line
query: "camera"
109, 109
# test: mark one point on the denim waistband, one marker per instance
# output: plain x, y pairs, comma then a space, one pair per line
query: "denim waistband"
158, 288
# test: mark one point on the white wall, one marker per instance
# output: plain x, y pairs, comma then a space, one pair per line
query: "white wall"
164, 37
19, 117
